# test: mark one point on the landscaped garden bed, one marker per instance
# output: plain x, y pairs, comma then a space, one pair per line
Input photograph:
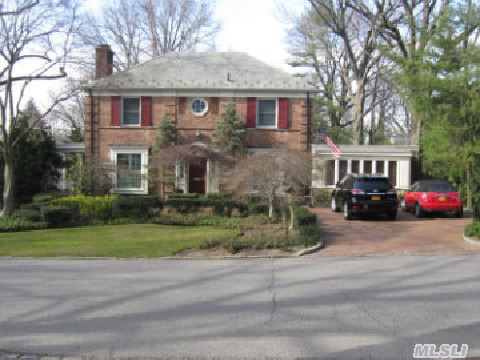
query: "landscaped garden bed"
141, 226
472, 231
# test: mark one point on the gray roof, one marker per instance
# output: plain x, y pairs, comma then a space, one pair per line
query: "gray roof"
203, 71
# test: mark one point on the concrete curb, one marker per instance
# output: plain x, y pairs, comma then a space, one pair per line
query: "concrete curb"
471, 240
311, 250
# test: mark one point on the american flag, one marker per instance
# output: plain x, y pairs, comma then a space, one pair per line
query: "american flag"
334, 149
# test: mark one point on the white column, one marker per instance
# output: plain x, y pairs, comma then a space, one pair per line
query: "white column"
374, 166
337, 170
385, 167
349, 166
361, 166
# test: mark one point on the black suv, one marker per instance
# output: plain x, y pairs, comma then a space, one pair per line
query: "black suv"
365, 194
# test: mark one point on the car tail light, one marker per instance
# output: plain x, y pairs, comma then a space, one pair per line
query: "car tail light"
391, 191
357, 191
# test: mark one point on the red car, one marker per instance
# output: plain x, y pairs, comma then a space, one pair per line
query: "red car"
432, 196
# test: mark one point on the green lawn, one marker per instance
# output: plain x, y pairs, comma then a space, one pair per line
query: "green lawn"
123, 241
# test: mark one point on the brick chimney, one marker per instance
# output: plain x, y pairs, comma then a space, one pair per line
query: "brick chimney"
103, 61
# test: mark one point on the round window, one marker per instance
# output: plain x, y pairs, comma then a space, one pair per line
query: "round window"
199, 107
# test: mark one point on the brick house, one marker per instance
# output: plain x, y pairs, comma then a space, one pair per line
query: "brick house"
123, 111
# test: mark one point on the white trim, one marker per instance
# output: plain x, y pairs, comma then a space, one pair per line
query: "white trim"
257, 126
125, 149
139, 111
190, 106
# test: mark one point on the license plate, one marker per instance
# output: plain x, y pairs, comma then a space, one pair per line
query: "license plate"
376, 198
442, 198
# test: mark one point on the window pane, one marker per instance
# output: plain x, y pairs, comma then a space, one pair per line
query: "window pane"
129, 174
131, 111
392, 173
367, 167
343, 169
355, 166
330, 172
380, 167
267, 112
198, 106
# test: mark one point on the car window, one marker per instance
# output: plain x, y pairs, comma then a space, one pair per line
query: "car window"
369, 184
439, 187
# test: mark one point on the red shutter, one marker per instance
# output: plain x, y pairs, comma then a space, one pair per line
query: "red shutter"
116, 110
146, 103
283, 113
251, 112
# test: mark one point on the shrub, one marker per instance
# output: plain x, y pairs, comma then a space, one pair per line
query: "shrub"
222, 204
135, 206
17, 224
57, 215
44, 198
305, 217
473, 230
33, 215
89, 207
307, 226
309, 234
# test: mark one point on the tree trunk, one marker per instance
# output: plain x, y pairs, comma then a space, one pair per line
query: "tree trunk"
358, 138
285, 223
8, 186
270, 207
292, 217
469, 184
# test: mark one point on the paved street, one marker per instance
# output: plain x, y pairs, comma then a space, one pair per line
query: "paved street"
408, 235
326, 307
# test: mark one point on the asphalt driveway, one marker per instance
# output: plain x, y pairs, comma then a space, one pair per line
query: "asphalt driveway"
408, 235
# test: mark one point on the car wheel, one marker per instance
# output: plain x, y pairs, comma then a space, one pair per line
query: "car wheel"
459, 213
392, 215
334, 205
418, 210
347, 213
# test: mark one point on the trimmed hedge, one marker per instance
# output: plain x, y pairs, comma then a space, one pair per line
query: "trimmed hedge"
307, 226
473, 230
33, 215
136, 206
89, 207
222, 204
17, 224
58, 216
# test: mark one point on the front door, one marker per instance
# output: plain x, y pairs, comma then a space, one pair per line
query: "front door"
196, 180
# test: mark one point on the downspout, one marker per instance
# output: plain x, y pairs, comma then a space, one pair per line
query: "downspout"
309, 121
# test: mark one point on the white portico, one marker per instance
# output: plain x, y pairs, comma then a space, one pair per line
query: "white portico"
397, 162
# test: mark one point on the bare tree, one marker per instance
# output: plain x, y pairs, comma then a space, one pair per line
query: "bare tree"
359, 39
67, 118
141, 30
271, 174
313, 46
35, 40
175, 25
120, 26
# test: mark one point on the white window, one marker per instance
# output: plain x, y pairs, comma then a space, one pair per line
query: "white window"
199, 106
181, 176
130, 111
130, 164
267, 113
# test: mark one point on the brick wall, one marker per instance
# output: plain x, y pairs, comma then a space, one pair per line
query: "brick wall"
100, 134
